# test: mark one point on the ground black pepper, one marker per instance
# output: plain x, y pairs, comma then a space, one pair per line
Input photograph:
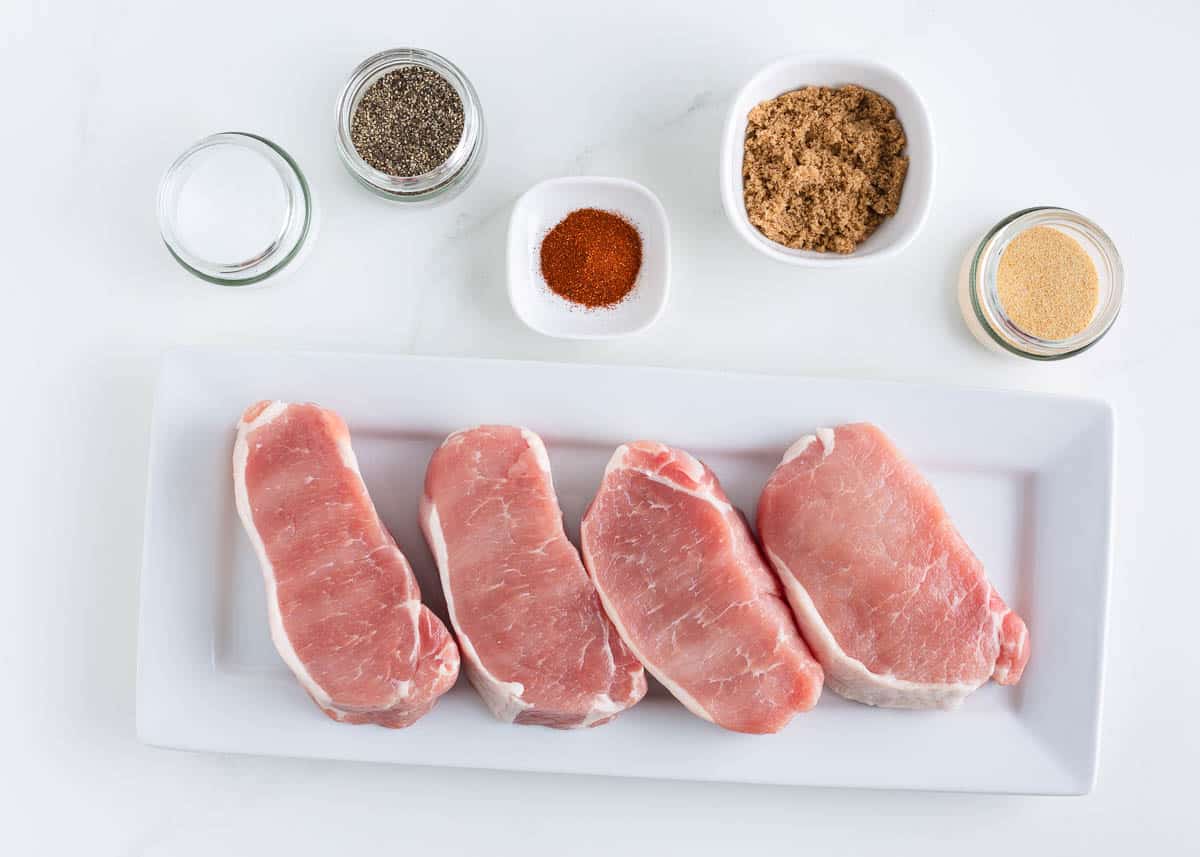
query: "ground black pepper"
408, 122
592, 257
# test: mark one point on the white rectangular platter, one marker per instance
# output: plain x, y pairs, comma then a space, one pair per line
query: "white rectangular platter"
1027, 478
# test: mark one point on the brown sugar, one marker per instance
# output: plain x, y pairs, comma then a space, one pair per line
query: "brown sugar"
822, 167
1047, 284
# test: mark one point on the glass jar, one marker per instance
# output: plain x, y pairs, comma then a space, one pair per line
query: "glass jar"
444, 181
234, 209
979, 297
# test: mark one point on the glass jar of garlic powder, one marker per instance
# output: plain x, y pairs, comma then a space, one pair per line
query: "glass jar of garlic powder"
1044, 283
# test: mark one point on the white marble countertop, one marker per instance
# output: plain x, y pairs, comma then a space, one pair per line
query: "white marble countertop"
1032, 103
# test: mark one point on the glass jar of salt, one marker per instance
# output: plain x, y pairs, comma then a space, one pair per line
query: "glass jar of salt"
235, 210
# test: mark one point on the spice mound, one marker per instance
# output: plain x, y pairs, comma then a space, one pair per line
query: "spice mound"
823, 167
592, 258
408, 122
1047, 284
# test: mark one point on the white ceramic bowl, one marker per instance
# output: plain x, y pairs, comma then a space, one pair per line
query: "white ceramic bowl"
792, 73
539, 210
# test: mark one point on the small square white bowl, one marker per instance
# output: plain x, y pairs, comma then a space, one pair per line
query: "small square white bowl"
895, 233
543, 207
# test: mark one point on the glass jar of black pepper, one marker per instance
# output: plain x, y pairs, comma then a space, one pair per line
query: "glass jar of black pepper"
409, 126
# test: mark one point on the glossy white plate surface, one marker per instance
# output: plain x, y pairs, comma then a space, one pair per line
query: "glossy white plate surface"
1027, 478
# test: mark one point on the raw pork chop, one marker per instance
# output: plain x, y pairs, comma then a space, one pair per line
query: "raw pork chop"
537, 644
344, 608
683, 581
886, 591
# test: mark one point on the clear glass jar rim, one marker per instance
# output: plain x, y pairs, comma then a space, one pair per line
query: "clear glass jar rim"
293, 235
457, 166
1041, 349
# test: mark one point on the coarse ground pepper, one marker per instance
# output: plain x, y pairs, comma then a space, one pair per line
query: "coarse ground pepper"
408, 122
592, 257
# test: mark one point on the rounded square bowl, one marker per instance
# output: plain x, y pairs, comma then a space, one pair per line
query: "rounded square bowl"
895, 233
539, 210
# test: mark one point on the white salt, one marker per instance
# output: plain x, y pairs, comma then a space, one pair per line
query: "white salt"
232, 205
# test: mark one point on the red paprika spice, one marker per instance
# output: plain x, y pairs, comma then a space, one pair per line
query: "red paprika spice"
592, 257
